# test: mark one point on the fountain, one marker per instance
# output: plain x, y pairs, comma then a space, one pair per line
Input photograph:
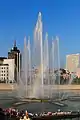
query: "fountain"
37, 78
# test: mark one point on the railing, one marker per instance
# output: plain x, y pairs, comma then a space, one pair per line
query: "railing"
59, 117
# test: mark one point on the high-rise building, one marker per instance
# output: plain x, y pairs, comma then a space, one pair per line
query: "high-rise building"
72, 62
14, 53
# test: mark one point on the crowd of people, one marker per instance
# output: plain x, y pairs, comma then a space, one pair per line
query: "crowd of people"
14, 114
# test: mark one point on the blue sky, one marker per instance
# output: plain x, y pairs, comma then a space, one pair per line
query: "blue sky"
60, 17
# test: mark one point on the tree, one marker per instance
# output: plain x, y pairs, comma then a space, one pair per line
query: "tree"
76, 81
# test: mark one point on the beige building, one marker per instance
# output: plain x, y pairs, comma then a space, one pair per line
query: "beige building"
7, 67
72, 62
78, 72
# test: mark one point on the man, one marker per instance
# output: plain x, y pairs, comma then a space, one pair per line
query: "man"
26, 117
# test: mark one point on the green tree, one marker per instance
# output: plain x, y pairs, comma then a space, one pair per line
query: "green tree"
76, 81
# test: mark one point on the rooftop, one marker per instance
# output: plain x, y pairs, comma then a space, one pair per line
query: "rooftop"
1, 58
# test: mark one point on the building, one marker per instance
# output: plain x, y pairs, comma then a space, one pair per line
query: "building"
7, 70
78, 72
72, 62
14, 53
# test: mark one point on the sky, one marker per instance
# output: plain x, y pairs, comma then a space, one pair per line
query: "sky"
60, 17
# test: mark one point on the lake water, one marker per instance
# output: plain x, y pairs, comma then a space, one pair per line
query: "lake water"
7, 99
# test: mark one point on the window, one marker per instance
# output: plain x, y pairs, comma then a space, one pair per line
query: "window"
4, 71
7, 78
2, 67
4, 74
7, 74
7, 67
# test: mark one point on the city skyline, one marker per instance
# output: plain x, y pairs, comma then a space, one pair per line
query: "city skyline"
60, 18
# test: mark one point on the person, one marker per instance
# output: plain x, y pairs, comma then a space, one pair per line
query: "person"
22, 118
26, 117
2, 115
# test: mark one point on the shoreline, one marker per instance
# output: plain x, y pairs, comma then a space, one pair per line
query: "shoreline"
7, 87
11, 87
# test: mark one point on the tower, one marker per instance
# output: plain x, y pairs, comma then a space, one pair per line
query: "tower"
15, 54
